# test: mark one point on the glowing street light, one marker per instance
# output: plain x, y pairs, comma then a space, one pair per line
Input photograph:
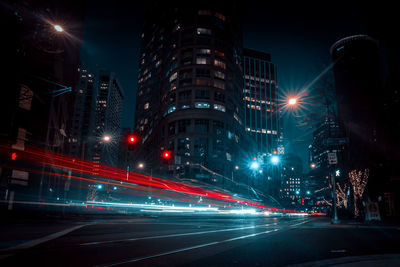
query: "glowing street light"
236, 167
58, 28
140, 165
292, 101
275, 160
106, 138
254, 165
312, 165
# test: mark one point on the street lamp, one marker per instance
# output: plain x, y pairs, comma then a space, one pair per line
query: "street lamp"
292, 101
106, 138
254, 165
140, 165
275, 160
58, 28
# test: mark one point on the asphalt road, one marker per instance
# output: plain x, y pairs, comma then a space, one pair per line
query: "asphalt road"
209, 241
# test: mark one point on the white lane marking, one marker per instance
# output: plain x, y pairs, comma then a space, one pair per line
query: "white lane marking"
38, 241
192, 247
175, 235
186, 249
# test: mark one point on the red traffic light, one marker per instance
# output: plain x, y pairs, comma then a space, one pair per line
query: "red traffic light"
14, 156
166, 154
132, 139
274, 152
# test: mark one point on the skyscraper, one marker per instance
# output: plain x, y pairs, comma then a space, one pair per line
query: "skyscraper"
189, 96
260, 92
83, 121
107, 119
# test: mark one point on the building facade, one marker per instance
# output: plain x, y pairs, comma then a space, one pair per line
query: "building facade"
189, 96
260, 95
83, 122
37, 105
291, 189
107, 119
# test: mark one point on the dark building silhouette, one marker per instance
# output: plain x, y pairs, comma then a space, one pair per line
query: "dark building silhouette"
361, 102
83, 122
381, 25
40, 64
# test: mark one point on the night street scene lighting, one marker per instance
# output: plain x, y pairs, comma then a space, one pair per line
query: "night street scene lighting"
58, 28
156, 133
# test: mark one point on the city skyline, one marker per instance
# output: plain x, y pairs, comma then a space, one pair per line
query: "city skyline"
114, 42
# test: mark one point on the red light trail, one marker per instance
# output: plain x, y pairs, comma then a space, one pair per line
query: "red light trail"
59, 161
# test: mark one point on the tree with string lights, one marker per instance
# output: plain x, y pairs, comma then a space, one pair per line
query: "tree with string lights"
358, 181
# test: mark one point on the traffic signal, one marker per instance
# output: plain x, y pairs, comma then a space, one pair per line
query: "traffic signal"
166, 155
274, 152
132, 141
14, 156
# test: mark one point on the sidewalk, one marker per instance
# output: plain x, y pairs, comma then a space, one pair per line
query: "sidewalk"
349, 223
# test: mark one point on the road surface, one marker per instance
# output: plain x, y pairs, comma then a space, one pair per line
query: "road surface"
208, 241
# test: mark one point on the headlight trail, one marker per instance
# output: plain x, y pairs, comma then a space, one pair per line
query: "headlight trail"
63, 162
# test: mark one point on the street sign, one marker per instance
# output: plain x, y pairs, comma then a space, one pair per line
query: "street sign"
332, 158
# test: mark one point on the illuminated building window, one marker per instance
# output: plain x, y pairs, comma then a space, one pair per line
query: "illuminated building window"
203, 51
219, 107
183, 146
202, 61
219, 75
146, 106
219, 54
203, 82
171, 109
203, 31
173, 76
201, 105
219, 63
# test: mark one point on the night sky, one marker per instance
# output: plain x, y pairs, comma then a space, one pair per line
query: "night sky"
297, 34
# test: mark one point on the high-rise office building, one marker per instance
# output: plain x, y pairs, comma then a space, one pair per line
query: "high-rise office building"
107, 119
260, 92
82, 131
189, 97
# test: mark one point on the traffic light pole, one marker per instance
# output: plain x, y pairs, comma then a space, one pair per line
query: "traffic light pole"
335, 219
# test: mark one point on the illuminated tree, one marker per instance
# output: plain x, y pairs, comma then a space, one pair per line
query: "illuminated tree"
358, 180
341, 196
